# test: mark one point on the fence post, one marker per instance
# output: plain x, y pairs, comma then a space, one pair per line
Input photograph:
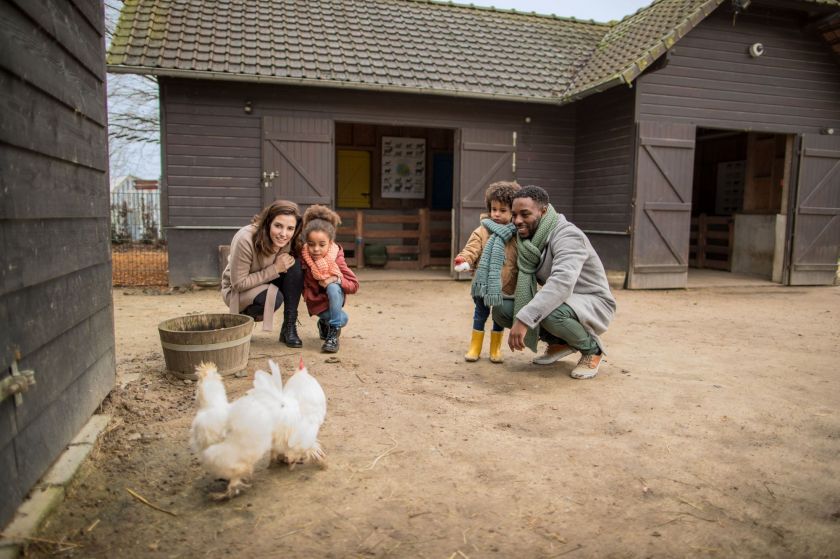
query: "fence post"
424, 241
360, 239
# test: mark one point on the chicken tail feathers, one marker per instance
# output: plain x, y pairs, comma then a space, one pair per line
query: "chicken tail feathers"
203, 369
275, 374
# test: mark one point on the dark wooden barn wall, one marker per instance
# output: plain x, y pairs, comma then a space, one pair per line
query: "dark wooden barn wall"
55, 282
604, 161
212, 151
603, 187
712, 81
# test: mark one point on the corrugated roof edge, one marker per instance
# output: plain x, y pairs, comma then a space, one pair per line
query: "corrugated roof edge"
200, 74
634, 70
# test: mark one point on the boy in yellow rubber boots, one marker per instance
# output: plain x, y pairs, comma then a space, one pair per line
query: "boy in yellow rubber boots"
491, 252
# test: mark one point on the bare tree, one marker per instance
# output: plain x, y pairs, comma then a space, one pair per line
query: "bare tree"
133, 113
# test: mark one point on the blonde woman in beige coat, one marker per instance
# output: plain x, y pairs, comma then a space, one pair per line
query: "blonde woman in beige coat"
263, 270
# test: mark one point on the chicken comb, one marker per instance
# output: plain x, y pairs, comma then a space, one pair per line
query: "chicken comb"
301, 366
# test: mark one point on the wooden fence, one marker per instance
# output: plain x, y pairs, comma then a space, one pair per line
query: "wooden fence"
711, 242
413, 240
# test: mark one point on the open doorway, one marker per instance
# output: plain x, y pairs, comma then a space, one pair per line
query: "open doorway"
394, 192
739, 202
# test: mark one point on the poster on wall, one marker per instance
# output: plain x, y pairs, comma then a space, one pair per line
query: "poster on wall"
403, 167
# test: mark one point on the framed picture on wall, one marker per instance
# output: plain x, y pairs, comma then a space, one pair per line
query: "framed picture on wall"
403, 167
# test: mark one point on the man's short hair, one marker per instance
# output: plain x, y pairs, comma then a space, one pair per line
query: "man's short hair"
535, 193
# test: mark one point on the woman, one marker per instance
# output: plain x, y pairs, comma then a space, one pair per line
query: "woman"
264, 270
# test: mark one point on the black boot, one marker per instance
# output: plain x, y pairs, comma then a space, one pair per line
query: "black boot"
288, 331
323, 328
331, 341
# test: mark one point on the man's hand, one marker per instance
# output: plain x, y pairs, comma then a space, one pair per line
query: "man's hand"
516, 337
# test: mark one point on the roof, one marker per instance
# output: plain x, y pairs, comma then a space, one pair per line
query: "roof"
375, 44
399, 45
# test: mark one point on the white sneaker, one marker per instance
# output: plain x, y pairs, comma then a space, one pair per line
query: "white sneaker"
587, 367
553, 353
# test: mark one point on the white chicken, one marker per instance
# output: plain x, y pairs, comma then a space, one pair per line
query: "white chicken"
208, 427
285, 411
230, 438
303, 444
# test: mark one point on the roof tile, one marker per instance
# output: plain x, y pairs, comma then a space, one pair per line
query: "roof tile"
400, 43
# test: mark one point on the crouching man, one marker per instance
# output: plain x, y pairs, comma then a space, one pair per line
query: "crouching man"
574, 304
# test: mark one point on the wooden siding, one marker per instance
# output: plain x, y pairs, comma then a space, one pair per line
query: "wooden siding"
604, 156
55, 285
711, 81
214, 178
545, 154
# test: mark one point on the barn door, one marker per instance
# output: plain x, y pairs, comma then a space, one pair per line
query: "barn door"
298, 159
484, 156
816, 225
662, 206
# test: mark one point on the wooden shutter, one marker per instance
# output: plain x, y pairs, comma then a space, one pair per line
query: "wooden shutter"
662, 206
484, 156
300, 151
816, 226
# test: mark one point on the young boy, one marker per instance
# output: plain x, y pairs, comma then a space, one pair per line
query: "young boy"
491, 252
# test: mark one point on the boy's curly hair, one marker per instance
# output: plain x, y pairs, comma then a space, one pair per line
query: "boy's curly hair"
320, 218
501, 191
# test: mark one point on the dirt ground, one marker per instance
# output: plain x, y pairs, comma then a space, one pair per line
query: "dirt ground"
713, 430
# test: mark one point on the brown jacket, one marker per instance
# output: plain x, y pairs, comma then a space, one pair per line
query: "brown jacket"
475, 246
247, 273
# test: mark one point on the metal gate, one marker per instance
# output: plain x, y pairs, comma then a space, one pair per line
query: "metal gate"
298, 159
662, 206
816, 226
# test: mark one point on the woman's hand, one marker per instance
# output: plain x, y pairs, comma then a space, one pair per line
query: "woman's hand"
283, 261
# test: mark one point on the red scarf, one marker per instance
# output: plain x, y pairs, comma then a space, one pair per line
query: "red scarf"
326, 266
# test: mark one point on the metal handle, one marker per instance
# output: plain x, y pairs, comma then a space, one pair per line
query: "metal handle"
268, 176
17, 384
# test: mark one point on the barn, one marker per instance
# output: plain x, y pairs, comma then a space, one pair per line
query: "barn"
55, 282
692, 134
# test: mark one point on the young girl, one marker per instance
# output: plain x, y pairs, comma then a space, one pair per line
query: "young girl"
326, 277
491, 251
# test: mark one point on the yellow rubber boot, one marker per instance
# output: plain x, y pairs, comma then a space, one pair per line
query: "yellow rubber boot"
496, 346
475, 345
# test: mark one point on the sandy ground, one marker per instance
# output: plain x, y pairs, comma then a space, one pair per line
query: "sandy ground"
712, 431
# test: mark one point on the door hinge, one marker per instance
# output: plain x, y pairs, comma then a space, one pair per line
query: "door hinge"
17, 384
267, 177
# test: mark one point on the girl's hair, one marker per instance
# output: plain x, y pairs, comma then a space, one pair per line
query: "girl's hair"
263, 220
502, 191
320, 218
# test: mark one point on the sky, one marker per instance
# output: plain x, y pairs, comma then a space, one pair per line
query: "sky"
599, 10
144, 160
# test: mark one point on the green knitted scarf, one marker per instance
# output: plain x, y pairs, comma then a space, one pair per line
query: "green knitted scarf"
528, 260
487, 282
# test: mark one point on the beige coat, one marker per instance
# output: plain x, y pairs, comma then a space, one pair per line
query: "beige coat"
247, 273
475, 246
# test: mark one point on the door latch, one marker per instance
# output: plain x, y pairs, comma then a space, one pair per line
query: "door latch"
17, 384
268, 176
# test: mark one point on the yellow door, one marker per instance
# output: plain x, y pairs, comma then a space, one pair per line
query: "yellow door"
353, 178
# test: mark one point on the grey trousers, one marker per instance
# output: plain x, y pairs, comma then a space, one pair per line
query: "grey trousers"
561, 326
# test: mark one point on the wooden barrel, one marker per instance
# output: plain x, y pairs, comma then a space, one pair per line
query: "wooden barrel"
224, 339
